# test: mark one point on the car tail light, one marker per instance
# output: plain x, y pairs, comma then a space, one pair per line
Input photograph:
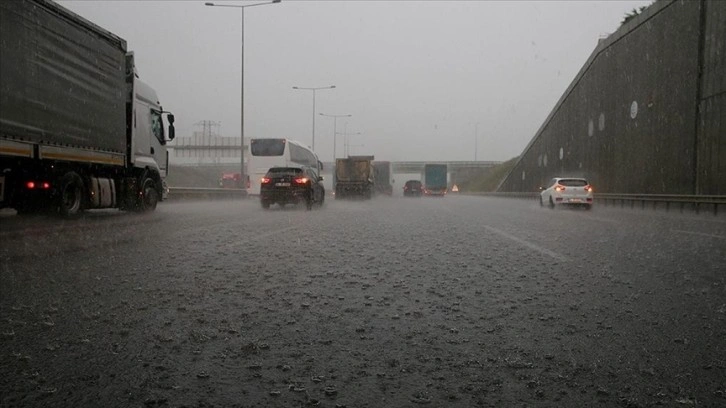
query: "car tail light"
46, 185
265, 180
301, 180
588, 188
559, 188
30, 185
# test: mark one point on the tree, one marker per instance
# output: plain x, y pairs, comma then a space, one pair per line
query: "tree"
631, 15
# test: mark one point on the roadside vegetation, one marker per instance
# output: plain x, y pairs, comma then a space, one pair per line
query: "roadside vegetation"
490, 179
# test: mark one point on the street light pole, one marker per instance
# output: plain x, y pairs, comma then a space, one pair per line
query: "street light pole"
335, 130
242, 77
314, 90
476, 139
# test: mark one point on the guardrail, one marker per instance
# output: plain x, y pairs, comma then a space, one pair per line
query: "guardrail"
176, 193
694, 202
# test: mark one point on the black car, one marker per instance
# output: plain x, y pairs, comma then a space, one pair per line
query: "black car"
413, 188
292, 185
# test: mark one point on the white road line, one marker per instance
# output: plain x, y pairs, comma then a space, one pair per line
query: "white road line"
700, 234
528, 244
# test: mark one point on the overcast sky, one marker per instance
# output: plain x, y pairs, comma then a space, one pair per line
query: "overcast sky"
416, 76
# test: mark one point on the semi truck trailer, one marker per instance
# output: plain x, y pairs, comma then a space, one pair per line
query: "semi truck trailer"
354, 177
78, 128
383, 177
434, 178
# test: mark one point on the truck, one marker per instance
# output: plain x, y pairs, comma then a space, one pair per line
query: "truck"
230, 180
382, 174
434, 179
354, 177
78, 128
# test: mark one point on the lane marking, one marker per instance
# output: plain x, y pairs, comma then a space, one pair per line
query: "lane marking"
520, 241
700, 234
528, 244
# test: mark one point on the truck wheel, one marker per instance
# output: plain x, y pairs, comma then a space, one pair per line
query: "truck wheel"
71, 195
148, 196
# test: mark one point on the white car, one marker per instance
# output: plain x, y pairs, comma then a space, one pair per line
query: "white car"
567, 191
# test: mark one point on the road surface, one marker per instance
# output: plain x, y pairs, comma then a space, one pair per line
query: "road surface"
455, 301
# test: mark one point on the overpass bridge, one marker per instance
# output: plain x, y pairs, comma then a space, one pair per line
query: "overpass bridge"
417, 166
458, 171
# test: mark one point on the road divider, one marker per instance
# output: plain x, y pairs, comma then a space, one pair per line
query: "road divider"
696, 203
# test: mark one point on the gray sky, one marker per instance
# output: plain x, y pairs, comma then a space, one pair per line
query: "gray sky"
416, 76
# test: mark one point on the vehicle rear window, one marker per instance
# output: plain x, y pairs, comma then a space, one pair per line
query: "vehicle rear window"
413, 183
267, 147
284, 171
573, 182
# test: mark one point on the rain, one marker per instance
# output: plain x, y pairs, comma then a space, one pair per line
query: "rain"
564, 245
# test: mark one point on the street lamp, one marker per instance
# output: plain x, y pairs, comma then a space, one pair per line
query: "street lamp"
313, 89
476, 140
242, 76
335, 129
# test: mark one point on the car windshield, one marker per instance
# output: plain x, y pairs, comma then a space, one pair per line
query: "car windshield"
284, 171
573, 182
264, 203
268, 147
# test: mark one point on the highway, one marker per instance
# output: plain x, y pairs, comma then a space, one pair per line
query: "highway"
456, 301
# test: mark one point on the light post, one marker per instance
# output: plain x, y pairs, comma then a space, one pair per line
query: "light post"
313, 89
476, 139
242, 77
335, 130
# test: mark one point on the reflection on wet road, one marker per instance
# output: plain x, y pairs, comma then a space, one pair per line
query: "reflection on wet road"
459, 301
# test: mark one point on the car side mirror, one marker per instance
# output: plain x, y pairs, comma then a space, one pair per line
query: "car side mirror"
170, 118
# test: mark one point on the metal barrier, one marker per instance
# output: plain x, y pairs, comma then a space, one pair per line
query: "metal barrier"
178, 193
694, 202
